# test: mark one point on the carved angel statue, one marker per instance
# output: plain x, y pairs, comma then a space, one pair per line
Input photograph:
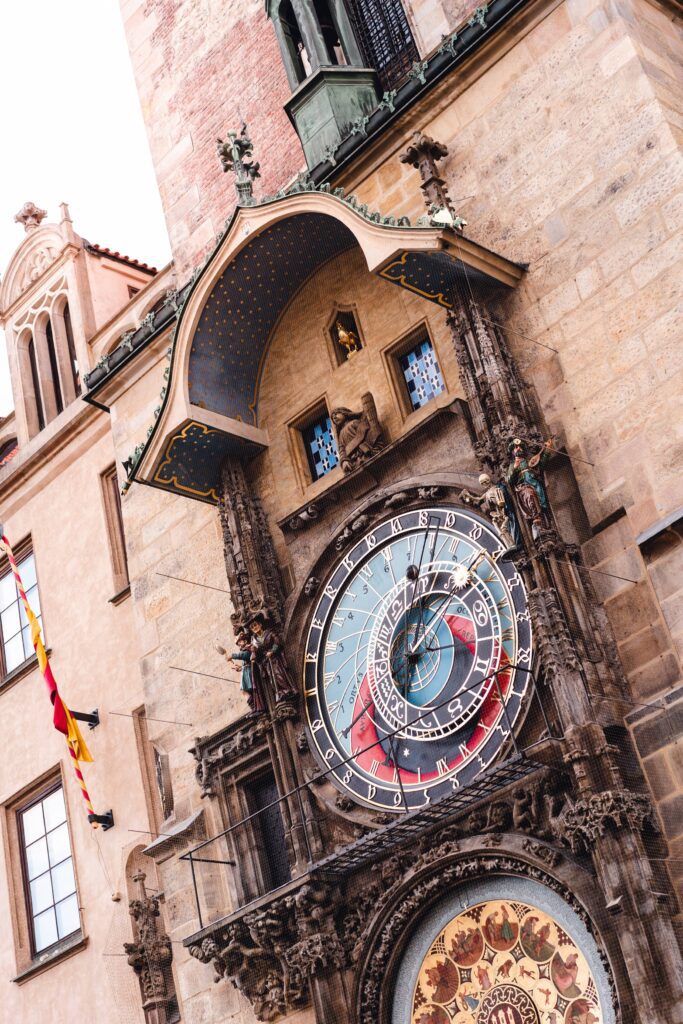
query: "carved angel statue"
359, 434
496, 503
347, 339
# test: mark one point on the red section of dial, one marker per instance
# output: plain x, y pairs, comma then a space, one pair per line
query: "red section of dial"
364, 737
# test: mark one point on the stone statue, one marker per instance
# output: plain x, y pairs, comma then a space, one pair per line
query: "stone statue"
242, 658
359, 434
496, 503
525, 476
347, 339
268, 663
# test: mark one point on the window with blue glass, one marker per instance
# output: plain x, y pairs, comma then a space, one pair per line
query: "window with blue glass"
421, 373
321, 445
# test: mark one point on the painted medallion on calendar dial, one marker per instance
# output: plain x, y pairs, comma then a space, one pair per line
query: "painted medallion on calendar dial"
504, 962
417, 658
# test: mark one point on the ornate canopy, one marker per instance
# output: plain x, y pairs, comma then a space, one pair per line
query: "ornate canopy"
268, 252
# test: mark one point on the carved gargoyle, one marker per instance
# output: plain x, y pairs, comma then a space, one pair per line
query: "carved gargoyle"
359, 434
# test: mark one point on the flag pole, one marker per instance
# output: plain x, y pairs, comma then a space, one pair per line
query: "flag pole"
63, 719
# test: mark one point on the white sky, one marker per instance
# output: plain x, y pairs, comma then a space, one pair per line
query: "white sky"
72, 131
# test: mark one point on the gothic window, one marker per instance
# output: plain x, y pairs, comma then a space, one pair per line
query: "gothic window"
54, 368
420, 372
35, 380
313, 34
330, 33
15, 632
386, 40
345, 335
320, 445
50, 885
73, 359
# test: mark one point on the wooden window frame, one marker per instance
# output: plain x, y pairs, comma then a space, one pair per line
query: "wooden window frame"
23, 549
113, 513
28, 962
392, 355
146, 751
315, 411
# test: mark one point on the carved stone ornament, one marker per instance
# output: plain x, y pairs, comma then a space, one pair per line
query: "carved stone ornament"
151, 954
359, 434
304, 518
587, 820
316, 953
242, 737
556, 652
423, 153
30, 216
232, 154
40, 261
270, 954
250, 559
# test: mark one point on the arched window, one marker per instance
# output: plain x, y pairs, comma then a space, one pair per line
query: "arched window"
54, 368
330, 33
40, 411
297, 63
360, 33
73, 359
8, 450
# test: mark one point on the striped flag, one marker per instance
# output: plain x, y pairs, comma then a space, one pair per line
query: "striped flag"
62, 718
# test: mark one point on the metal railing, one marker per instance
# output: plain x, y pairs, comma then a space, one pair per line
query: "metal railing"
259, 878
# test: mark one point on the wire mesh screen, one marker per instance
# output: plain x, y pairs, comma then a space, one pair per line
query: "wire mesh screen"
385, 37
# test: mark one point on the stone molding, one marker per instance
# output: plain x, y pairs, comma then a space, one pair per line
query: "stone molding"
589, 819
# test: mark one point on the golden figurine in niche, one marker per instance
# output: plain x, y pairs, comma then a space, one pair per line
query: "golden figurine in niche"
348, 340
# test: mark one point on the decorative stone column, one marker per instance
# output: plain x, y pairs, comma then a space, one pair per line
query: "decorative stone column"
150, 956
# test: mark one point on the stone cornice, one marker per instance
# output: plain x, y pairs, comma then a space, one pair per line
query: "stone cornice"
42, 450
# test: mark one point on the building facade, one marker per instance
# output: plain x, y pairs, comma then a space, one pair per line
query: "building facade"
385, 628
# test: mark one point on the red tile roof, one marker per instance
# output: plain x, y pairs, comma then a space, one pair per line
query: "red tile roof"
10, 455
104, 251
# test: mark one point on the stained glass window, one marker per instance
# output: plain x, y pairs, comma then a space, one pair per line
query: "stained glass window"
422, 374
52, 899
321, 446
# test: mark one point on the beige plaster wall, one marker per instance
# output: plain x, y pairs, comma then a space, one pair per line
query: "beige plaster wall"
94, 661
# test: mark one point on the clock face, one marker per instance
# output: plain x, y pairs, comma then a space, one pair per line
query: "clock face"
417, 658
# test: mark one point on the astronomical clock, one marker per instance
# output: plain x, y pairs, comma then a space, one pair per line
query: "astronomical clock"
417, 658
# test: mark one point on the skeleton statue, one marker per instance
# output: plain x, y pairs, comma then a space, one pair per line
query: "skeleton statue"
359, 434
495, 502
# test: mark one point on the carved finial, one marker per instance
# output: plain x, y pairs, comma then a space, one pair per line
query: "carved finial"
30, 216
423, 154
232, 155
66, 215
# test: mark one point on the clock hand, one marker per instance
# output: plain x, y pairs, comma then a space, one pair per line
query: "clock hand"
413, 572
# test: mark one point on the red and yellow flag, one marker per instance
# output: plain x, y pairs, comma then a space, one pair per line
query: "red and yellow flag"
62, 718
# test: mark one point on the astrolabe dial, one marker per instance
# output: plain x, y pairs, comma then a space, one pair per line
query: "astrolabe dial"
417, 658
